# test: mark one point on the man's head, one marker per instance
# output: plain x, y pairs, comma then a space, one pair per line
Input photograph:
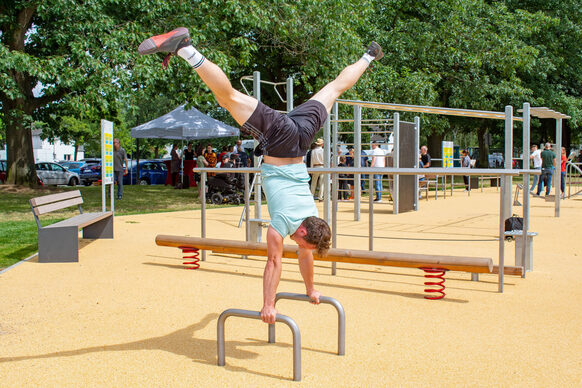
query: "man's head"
116, 144
548, 146
189, 146
534, 147
319, 142
423, 150
374, 145
209, 148
225, 158
313, 233
238, 143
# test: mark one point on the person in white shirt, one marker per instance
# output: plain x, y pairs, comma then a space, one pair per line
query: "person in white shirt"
317, 162
379, 161
238, 147
536, 156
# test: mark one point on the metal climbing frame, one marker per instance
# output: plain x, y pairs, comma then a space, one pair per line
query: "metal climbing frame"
341, 317
257, 315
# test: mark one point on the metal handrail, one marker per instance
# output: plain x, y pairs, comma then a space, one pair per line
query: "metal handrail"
341, 317
257, 315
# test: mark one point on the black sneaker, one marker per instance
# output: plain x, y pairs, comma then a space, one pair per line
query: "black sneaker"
170, 42
375, 51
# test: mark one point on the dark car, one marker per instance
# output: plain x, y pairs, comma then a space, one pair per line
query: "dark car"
151, 172
90, 173
72, 166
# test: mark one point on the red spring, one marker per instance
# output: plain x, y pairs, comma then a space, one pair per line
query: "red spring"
193, 252
435, 273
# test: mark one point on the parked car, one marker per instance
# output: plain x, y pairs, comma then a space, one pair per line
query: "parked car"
2, 171
151, 172
72, 166
54, 174
90, 172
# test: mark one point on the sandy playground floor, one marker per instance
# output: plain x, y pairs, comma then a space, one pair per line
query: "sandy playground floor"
128, 314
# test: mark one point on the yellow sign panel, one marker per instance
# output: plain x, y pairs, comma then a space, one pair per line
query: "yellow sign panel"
448, 154
107, 152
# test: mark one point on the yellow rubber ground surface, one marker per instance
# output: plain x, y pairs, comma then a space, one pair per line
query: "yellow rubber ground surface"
129, 314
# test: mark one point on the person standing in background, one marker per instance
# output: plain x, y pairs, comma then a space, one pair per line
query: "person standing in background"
119, 158
424, 157
564, 160
466, 163
537, 164
317, 162
378, 161
548, 163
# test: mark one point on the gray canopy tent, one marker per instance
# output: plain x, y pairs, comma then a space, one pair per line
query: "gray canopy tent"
182, 124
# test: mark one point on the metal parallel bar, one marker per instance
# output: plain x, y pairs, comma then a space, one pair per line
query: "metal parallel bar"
257, 161
326, 177
508, 160
526, 146
558, 167
203, 209
341, 317
290, 100
257, 315
357, 160
371, 214
416, 148
335, 126
396, 159
247, 210
427, 109
501, 234
457, 171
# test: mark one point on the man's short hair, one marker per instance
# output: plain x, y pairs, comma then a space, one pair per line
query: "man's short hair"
318, 234
548, 145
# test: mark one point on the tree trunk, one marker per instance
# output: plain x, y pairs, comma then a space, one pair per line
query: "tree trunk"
19, 152
483, 161
435, 149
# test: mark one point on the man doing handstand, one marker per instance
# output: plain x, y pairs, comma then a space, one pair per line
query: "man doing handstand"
284, 140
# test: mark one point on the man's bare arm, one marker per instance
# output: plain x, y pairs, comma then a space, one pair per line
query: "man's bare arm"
305, 257
272, 275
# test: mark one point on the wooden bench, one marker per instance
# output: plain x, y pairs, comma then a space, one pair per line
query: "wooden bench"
59, 242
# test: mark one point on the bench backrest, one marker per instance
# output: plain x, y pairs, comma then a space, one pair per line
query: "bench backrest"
49, 203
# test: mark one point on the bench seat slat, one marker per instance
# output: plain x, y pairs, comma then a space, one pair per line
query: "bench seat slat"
81, 220
54, 198
57, 206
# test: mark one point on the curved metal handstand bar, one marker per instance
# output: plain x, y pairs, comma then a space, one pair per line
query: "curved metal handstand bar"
257, 315
341, 317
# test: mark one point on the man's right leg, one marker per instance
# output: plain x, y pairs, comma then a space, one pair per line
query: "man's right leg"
239, 105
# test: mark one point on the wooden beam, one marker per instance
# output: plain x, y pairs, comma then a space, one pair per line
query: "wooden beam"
409, 260
509, 270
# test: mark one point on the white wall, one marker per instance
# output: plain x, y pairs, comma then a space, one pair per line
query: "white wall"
47, 152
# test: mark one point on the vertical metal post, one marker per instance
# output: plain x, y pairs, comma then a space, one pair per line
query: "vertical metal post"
334, 112
396, 158
508, 160
502, 217
525, 160
203, 209
257, 188
558, 168
289, 94
357, 159
371, 213
247, 210
416, 148
326, 160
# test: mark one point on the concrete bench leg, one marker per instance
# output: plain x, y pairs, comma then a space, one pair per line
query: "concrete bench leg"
58, 245
100, 229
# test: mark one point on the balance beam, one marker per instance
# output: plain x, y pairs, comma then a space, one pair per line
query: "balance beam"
452, 263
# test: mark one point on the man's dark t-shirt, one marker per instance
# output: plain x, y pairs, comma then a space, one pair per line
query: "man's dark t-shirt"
425, 159
547, 158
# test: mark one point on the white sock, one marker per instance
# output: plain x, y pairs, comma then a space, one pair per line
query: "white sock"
368, 57
192, 56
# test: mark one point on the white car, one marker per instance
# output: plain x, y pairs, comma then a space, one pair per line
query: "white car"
54, 174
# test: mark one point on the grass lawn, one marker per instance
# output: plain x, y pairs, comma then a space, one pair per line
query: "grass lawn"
18, 230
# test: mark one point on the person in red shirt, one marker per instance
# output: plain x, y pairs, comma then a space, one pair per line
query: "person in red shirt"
563, 172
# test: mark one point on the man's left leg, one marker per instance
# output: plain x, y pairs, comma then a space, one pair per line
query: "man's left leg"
119, 179
348, 77
378, 186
